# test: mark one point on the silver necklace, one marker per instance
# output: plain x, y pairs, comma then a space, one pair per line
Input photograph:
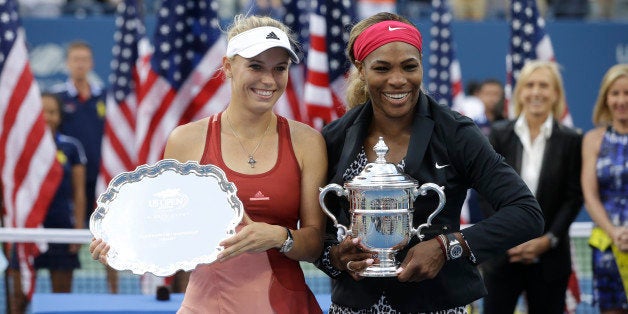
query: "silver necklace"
251, 160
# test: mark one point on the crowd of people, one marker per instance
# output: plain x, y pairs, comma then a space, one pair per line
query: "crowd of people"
520, 245
473, 10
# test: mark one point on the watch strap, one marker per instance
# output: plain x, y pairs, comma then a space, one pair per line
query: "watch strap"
287, 245
553, 239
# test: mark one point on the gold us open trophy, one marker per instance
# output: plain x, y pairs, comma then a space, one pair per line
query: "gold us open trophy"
381, 201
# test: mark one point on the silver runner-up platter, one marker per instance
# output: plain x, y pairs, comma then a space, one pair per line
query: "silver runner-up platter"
166, 217
381, 204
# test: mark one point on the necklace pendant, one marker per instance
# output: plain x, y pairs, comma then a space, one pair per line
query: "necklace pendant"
252, 161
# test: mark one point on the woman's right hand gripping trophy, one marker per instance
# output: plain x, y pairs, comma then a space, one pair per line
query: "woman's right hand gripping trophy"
381, 201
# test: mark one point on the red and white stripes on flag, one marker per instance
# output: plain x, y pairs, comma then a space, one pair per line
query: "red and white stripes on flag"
573, 294
327, 65
289, 104
30, 173
528, 41
130, 53
185, 81
317, 93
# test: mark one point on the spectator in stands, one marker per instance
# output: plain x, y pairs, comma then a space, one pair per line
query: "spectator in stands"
415, 10
609, 9
83, 119
546, 155
83, 8
474, 10
491, 93
605, 188
68, 205
471, 105
367, 8
497, 9
272, 8
41, 8
483, 103
432, 144
263, 154
569, 9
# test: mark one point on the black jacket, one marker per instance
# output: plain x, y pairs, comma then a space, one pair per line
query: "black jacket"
558, 192
441, 136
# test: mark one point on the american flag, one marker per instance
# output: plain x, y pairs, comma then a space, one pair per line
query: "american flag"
444, 74
291, 104
29, 169
297, 19
327, 65
129, 58
528, 41
184, 82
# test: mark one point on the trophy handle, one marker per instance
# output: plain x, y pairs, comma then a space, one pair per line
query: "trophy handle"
441, 202
342, 230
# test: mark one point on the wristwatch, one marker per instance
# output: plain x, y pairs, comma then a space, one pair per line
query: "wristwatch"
454, 248
287, 245
553, 239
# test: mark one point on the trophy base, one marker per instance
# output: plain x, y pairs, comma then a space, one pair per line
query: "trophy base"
379, 271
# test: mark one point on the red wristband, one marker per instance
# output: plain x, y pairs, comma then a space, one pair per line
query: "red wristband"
442, 242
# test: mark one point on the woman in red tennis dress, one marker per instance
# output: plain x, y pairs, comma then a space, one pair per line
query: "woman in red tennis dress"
277, 166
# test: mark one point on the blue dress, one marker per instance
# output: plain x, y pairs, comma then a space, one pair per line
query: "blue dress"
612, 173
61, 210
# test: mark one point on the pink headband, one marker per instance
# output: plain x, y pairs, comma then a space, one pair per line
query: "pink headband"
383, 33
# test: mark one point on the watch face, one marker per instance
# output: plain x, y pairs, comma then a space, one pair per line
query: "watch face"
289, 245
456, 251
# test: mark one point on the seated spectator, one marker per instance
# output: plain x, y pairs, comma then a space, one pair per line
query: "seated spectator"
474, 10
570, 9
41, 8
366, 8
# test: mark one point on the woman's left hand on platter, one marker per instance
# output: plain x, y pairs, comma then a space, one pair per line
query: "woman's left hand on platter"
252, 237
99, 249
351, 257
423, 261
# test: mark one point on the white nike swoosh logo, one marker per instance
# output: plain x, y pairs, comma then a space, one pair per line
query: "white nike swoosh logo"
440, 166
395, 28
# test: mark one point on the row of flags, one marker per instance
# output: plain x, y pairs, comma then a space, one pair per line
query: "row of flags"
29, 170
175, 78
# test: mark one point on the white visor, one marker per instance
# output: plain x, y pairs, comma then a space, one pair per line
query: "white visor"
255, 41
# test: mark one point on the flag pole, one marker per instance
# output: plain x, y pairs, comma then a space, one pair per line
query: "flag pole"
5, 250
